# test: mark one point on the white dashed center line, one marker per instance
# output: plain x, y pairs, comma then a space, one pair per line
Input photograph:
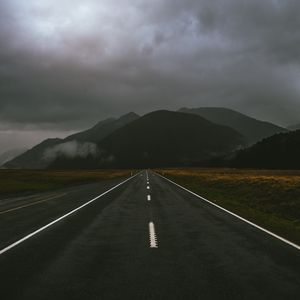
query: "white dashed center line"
148, 187
153, 238
149, 198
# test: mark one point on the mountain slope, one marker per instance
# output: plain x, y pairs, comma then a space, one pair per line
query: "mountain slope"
280, 151
162, 138
102, 129
253, 130
294, 127
10, 154
33, 158
37, 157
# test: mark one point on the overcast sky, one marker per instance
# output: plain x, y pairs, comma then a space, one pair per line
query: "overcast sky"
65, 64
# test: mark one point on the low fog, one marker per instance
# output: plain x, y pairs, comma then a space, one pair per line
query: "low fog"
71, 150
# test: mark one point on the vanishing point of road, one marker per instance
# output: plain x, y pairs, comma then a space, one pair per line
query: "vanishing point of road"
143, 237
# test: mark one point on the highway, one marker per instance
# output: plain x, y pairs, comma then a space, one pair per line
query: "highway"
137, 238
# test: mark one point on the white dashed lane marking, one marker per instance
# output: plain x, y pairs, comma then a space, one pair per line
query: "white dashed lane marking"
149, 198
148, 187
153, 238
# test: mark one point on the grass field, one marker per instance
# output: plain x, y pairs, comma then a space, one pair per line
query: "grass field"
22, 181
268, 198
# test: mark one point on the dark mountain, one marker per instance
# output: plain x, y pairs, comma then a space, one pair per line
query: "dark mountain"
35, 157
252, 129
294, 127
280, 151
163, 138
10, 154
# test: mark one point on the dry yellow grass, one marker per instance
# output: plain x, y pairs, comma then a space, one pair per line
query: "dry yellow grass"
17, 181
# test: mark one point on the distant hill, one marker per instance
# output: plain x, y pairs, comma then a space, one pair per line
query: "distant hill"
280, 151
294, 127
33, 158
252, 129
38, 156
162, 138
10, 154
102, 129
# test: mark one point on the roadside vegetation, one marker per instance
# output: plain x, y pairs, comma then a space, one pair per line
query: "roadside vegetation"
268, 198
23, 181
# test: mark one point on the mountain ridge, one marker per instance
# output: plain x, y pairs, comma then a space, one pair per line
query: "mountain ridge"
84, 145
280, 151
294, 127
252, 129
163, 138
35, 158
11, 154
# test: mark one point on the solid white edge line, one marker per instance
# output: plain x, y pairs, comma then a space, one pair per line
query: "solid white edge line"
61, 218
237, 216
153, 239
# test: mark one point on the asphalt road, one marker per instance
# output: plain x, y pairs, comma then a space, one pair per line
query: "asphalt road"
136, 242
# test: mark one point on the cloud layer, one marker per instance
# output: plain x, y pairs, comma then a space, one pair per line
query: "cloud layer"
66, 64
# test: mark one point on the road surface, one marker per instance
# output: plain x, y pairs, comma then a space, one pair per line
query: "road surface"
144, 239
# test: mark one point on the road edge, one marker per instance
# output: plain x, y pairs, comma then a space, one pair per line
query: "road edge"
13, 245
282, 239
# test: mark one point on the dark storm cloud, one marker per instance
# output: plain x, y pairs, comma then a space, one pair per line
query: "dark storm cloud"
66, 64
